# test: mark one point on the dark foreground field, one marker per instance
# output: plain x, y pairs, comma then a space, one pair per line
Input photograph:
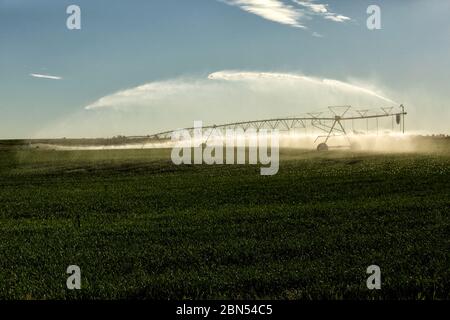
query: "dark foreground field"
140, 227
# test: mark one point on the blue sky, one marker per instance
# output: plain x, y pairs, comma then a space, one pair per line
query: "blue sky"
126, 44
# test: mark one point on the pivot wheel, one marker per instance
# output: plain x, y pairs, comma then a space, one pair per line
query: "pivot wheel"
322, 147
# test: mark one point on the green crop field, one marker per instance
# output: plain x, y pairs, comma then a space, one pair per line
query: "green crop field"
140, 227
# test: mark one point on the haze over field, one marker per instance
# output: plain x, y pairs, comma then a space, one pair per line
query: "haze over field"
386, 143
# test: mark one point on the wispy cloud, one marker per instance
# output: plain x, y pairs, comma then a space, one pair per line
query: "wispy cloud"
294, 14
337, 18
319, 9
45, 76
313, 7
273, 10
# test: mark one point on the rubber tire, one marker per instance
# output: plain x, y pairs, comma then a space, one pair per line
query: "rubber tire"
322, 147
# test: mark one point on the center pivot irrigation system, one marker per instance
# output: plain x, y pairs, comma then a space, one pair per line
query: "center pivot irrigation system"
331, 121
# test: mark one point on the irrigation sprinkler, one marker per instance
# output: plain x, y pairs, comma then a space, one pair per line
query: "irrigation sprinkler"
331, 122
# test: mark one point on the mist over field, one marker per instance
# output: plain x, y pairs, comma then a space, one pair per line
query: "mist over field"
388, 142
228, 96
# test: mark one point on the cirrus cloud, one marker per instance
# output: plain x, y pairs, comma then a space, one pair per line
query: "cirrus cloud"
273, 10
294, 14
45, 76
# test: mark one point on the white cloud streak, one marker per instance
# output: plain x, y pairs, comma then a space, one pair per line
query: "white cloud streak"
314, 7
321, 10
291, 15
337, 18
273, 10
45, 76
